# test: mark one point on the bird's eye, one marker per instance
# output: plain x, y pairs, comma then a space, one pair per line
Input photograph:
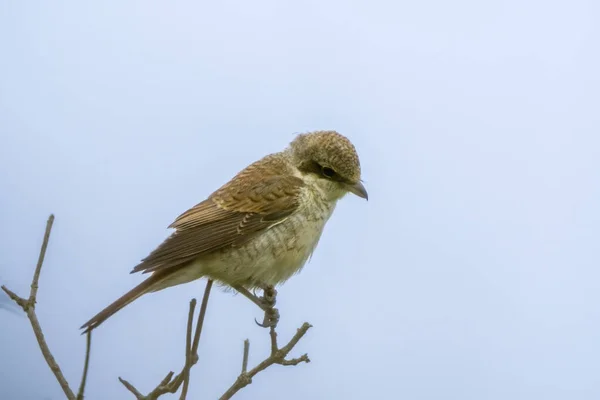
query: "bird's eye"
328, 172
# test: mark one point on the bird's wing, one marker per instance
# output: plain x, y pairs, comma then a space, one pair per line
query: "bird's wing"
243, 208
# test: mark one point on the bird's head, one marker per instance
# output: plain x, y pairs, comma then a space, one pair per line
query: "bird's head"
330, 160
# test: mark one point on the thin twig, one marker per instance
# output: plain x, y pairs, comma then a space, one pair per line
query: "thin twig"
132, 389
194, 351
38, 268
203, 306
273, 335
39, 335
245, 357
86, 364
14, 297
28, 305
277, 356
188, 351
170, 384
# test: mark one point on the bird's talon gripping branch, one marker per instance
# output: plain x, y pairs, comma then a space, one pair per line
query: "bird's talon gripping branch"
270, 320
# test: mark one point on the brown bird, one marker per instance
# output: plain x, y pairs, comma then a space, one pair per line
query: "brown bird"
260, 228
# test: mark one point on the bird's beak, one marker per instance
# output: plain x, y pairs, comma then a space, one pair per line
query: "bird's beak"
359, 189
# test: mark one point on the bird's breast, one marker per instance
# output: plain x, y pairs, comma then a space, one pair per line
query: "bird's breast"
279, 252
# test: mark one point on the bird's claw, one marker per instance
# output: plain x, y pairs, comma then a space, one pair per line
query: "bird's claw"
271, 318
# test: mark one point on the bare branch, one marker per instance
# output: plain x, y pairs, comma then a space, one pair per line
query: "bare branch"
39, 335
188, 351
17, 299
245, 357
132, 388
38, 268
168, 384
201, 320
86, 364
273, 335
277, 356
28, 305
172, 386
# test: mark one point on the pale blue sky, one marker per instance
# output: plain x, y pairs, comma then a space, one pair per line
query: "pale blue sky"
472, 272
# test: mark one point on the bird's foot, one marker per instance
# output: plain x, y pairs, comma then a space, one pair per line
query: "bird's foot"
271, 318
268, 300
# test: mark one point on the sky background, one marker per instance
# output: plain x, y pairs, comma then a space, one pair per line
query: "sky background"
471, 273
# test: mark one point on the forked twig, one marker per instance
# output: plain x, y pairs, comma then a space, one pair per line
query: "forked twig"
28, 306
170, 384
277, 356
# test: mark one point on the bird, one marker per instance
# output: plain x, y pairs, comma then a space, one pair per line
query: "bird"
257, 230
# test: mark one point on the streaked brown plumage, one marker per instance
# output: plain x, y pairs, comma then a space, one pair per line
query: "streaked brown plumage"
259, 228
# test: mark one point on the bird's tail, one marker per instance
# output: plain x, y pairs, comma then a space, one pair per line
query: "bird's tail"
146, 286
